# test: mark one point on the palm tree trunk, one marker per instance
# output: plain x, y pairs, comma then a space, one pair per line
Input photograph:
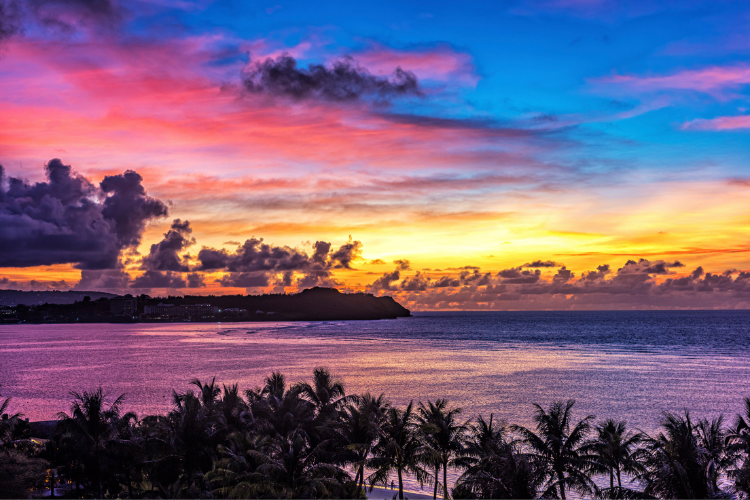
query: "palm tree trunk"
611, 479
360, 477
445, 480
437, 475
400, 484
619, 481
561, 484
130, 484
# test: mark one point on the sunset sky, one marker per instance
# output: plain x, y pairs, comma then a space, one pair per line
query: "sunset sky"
455, 155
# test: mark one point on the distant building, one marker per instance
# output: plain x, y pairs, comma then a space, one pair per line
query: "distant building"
123, 306
200, 310
160, 310
187, 311
234, 312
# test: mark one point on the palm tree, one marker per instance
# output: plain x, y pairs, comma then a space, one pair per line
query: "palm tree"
739, 445
286, 460
233, 407
192, 435
675, 466
494, 467
359, 428
92, 421
127, 451
559, 450
209, 392
326, 393
445, 437
8, 425
718, 455
398, 450
615, 451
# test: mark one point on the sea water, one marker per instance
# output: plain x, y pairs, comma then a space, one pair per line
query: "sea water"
626, 365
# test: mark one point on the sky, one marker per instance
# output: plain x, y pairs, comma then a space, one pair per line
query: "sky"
500, 155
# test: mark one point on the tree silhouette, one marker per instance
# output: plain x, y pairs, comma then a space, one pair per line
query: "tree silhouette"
559, 449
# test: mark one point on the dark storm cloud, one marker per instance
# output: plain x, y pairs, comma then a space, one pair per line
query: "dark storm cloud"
542, 263
10, 19
104, 279
244, 280
130, 208
67, 14
253, 255
343, 257
343, 81
255, 259
64, 221
164, 256
159, 279
7, 283
195, 280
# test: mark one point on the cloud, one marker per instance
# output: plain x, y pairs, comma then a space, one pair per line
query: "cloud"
115, 280
343, 81
164, 256
719, 123
439, 62
10, 19
718, 81
130, 208
6, 283
257, 262
68, 15
376, 262
343, 257
68, 220
159, 279
634, 285
402, 264
253, 255
542, 263
196, 280
385, 282
244, 280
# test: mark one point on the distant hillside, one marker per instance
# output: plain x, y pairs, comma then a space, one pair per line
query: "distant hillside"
15, 297
312, 304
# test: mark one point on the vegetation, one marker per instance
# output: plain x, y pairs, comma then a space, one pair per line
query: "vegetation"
312, 440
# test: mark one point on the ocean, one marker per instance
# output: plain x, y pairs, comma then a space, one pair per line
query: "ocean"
628, 365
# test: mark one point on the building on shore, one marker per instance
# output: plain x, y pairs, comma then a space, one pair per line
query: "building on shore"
171, 311
124, 306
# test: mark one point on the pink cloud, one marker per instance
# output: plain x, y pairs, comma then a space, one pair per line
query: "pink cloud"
719, 123
441, 63
716, 80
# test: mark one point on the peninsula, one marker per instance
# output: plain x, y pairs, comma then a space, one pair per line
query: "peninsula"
312, 304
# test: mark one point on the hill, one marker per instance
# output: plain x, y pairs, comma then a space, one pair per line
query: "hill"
15, 297
313, 304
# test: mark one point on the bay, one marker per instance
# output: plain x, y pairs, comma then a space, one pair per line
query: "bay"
629, 365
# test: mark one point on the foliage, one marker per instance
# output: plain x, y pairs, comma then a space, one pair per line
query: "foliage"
313, 440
